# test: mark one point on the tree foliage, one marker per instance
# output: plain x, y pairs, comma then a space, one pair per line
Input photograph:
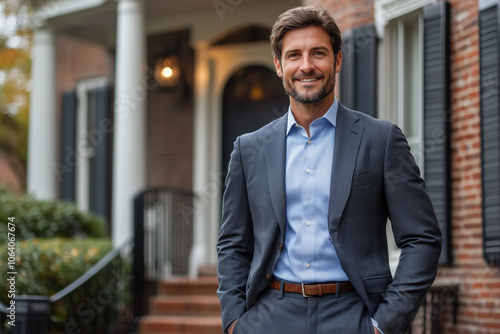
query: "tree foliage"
15, 46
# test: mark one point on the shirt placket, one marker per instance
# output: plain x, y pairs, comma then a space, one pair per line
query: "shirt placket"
308, 219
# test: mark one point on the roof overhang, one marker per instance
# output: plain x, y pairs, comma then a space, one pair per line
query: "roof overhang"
95, 20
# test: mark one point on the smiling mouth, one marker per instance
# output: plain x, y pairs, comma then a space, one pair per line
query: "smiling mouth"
308, 79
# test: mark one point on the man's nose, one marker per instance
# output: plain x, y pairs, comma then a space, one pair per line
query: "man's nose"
307, 64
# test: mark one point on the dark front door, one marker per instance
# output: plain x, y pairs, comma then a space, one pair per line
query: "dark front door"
253, 97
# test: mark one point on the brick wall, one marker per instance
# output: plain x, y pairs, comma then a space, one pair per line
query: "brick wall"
479, 296
78, 60
347, 14
169, 118
170, 140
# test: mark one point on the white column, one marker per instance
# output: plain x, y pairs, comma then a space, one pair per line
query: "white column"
202, 214
129, 158
43, 169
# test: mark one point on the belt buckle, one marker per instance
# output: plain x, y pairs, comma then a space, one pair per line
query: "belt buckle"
304, 290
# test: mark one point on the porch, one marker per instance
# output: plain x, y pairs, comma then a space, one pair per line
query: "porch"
142, 287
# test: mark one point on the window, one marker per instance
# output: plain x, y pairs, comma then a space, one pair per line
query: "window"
87, 138
86, 134
415, 74
403, 75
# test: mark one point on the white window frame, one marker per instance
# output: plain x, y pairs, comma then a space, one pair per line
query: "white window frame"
84, 153
392, 97
387, 10
389, 15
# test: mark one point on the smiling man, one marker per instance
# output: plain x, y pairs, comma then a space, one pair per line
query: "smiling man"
303, 248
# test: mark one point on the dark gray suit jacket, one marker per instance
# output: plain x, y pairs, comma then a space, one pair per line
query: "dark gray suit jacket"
374, 177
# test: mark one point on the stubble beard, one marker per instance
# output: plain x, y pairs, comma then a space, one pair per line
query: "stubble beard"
309, 97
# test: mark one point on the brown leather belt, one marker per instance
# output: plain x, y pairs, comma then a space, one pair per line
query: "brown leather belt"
314, 289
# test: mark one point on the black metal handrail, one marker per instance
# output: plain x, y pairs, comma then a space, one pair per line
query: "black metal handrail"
163, 229
91, 272
98, 302
440, 301
103, 299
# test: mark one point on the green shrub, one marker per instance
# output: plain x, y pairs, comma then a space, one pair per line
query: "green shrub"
55, 243
46, 219
45, 267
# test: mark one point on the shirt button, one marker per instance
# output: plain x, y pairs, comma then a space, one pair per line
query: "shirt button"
308, 265
309, 141
308, 171
308, 223
268, 276
280, 246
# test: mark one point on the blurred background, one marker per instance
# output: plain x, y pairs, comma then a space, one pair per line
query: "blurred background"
127, 111
15, 75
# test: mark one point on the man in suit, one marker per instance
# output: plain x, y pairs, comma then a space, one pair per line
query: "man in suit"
302, 247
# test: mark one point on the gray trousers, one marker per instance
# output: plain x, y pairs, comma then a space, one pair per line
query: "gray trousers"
278, 312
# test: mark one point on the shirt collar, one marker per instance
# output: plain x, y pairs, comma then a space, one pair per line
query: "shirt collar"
330, 115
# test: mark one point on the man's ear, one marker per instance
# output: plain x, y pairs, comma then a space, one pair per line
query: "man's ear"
338, 62
277, 65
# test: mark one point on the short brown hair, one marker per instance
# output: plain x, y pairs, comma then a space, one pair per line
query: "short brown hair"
301, 17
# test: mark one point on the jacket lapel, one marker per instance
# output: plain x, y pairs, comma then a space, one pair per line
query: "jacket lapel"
348, 134
275, 154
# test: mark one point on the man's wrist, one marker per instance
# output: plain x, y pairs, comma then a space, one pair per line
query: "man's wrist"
375, 327
231, 327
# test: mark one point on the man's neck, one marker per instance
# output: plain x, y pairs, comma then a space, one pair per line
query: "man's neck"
306, 113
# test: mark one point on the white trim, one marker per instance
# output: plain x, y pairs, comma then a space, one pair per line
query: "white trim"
56, 8
201, 158
213, 68
129, 134
206, 26
392, 100
400, 86
386, 10
82, 177
43, 169
485, 4
421, 92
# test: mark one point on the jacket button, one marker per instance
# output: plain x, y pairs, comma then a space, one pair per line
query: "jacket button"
280, 246
268, 276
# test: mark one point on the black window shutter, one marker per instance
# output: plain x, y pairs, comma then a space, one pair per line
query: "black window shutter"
359, 70
67, 170
436, 108
100, 164
489, 38
347, 71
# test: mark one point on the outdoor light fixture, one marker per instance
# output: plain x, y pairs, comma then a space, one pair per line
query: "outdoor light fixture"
167, 71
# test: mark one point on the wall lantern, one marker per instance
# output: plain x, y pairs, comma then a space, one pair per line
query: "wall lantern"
167, 71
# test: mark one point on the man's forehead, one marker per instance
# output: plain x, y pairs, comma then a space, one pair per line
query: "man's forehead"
311, 37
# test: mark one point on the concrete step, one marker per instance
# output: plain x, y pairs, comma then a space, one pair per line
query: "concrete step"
185, 305
183, 286
156, 324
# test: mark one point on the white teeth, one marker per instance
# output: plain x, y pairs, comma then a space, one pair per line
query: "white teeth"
308, 80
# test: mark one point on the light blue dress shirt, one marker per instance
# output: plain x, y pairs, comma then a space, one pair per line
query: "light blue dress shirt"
308, 254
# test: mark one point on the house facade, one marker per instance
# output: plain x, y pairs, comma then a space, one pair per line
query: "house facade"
129, 95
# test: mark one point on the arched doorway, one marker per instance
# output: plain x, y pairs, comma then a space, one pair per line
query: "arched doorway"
253, 96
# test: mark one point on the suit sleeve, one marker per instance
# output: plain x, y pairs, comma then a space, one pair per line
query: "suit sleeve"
235, 244
416, 233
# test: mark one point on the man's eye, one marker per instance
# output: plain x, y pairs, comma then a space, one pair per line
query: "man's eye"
293, 55
319, 53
